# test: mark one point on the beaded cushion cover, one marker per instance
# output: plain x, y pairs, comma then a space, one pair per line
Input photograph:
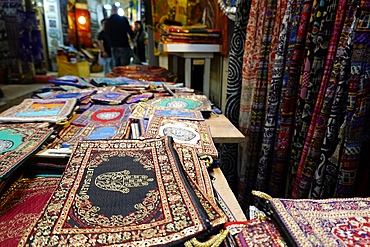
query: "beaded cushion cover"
18, 143
103, 114
329, 222
173, 113
192, 134
33, 110
123, 193
20, 206
256, 232
99, 132
110, 97
192, 102
77, 94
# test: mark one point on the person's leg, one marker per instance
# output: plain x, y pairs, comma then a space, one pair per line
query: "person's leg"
111, 64
116, 56
105, 65
127, 54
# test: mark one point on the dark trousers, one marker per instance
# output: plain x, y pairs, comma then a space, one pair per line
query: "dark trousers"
122, 55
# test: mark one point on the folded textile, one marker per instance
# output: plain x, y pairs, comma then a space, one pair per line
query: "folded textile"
193, 102
36, 110
103, 114
193, 134
173, 113
171, 29
212, 35
101, 176
103, 131
110, 97
17, 144
21, 205
77, 94
143, 73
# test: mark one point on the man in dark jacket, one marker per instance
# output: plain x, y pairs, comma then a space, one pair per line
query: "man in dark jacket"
118, 29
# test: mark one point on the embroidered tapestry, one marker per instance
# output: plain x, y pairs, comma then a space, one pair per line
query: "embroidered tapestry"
143, 126
113, 98
77, 94
20, 206
329, 222
36, 110
173, 113
64, 135
101, 176
193, 134
17, 144
102, 114
255, 232
193, 102
104, 81
143, 73
71, 80
94, 131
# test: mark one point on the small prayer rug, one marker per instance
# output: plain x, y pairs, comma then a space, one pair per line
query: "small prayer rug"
193, 134
104, 81
20, 206
193, 102
71, 80
94, 131
139, 97
139, 111
100, 114
173, 113
36, 110
112, 97
76, 94
329, 222
123, 193
17, 144
256, 232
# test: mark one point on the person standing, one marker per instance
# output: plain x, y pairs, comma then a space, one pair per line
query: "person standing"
105, 48
118, 30
141, 38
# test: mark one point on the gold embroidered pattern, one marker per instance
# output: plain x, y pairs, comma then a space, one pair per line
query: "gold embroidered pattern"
121, 181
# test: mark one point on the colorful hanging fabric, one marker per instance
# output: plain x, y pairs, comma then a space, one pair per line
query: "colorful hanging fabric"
358, 105
251, 59
273, 99
317, 53
275, 180
324, 182
311, 151
258, 111
308, 168
234, 84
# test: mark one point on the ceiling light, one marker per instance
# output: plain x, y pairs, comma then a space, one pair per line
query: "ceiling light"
117, 4
107, 6
120, 12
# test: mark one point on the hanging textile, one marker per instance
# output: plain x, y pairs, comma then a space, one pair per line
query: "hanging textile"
315, 135
275, 178
324, 181
357, 107
317, 54
273, 99
257, 112
234, 80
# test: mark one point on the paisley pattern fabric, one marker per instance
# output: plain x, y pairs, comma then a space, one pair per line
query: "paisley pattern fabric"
145, 176
273, 99
324, 182
338, 222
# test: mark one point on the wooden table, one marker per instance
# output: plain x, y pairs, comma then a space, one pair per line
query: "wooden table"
223, 131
